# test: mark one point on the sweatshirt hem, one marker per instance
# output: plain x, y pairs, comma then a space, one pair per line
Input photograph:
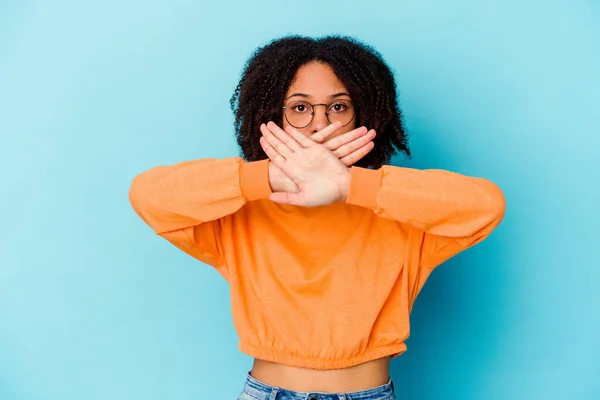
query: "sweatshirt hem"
314, 363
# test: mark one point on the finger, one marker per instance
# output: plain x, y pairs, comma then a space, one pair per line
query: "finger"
353, 157
273, 155
275, 143
283, 136
334, 143
320, 136
299, 137
354, 145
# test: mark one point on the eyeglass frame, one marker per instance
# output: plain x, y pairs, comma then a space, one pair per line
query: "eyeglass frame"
326, 113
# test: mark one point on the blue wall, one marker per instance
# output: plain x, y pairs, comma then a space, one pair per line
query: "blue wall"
94, 306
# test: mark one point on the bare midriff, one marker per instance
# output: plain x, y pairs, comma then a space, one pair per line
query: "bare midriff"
359, 377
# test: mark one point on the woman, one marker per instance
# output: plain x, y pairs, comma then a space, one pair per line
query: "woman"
324, 245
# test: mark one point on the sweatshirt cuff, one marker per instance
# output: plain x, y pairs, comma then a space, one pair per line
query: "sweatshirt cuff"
364, 187
254, 179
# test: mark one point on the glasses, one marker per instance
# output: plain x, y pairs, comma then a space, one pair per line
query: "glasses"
300, 113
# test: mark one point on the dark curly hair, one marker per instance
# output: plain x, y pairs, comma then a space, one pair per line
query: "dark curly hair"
269, 72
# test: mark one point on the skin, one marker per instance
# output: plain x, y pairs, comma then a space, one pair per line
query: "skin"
309, 167
319, 83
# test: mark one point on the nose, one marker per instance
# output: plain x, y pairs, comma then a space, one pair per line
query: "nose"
319, 119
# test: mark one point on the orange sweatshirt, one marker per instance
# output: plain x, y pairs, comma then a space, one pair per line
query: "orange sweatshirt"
325, 287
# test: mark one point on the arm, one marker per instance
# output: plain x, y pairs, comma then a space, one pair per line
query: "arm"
184, 202
453, 211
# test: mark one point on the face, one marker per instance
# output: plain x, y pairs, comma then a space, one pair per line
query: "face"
316, 83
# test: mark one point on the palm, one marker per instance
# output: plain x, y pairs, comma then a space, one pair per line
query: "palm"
318, 174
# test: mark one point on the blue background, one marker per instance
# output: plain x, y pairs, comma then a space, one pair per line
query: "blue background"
93, 305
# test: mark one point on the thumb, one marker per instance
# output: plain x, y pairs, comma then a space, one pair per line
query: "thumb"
284, 198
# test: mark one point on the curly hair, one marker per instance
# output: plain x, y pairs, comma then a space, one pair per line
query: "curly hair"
270, 70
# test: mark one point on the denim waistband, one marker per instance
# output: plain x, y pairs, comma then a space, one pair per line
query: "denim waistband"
262, 391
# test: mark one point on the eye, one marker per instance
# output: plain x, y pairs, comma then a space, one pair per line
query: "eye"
338, 107
301, 107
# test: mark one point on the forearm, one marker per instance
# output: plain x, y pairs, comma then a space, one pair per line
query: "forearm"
193, 192
438, 202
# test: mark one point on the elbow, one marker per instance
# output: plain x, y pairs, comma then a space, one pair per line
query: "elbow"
498, 203
500, 209
491, 215
140, 197
495, 206
137, 193
145, 188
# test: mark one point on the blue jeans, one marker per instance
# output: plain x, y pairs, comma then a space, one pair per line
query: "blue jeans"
257, 390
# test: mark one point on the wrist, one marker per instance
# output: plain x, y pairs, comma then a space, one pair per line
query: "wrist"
344, 185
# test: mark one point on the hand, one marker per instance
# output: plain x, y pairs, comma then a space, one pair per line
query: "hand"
320, 176
349, 147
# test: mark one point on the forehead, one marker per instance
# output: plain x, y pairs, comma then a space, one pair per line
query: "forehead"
317, 80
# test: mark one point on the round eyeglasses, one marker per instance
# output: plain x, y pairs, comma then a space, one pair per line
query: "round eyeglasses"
300, 113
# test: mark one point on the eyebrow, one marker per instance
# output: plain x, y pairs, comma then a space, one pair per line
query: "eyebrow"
307, 96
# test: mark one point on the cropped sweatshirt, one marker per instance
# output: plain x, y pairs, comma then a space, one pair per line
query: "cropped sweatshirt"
323, 287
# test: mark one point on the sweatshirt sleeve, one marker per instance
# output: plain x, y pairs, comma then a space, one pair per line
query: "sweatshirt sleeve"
452, 211
185, 202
